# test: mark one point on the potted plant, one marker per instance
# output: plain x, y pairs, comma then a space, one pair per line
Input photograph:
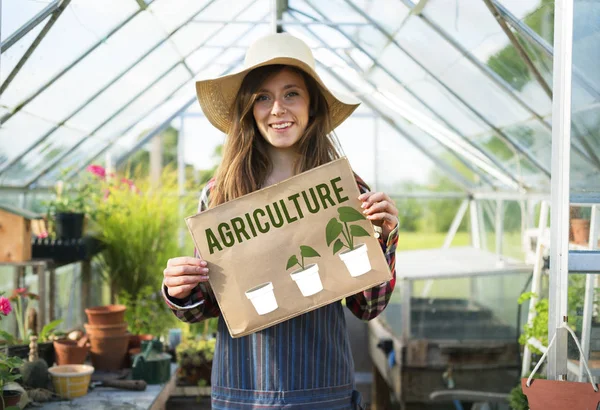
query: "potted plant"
355, 258
8, 365
195, 358
307, 278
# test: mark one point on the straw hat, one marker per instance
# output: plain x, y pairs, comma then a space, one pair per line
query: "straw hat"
216, 96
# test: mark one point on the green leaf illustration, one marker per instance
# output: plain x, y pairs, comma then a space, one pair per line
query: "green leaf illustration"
337, 246
308, 252
348, 214
333, 230
292, 261
357, 230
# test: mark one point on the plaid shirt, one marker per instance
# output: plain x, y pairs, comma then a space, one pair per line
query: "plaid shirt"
304, 362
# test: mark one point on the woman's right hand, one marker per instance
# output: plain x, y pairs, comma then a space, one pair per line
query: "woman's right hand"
183, 274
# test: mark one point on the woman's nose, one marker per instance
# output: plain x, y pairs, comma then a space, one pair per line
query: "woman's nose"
278, 109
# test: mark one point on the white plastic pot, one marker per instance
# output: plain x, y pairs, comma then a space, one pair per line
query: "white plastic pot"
357, 260
308, 280
263, 298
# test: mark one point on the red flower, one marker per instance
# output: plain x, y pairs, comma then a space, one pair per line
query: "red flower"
97, 170
22, 292
5, 307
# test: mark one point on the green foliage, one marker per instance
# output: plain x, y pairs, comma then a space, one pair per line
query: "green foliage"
48, 330
146, 312
305, 252
539, 327
139, 230
334, 228
74, 197
7, 367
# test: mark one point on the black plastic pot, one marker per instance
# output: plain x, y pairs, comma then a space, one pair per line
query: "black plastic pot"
45, 351
69, 225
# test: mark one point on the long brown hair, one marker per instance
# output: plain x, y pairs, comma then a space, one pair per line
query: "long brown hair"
245, 164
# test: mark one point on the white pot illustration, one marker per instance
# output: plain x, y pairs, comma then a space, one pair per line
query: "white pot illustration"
357, 260
263, 298
308, 280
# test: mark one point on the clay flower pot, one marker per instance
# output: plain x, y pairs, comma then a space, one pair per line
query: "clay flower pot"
10, 397
106, 315
108, 352
559, 395
581, 230
106, 330
68, 352
135, 341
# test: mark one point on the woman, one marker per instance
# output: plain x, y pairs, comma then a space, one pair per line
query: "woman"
278, 116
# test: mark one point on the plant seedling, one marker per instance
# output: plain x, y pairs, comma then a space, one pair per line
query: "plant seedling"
305, 252
349, 232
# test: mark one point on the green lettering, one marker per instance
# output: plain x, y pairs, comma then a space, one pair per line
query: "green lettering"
307, 202
226, 236
294, 199
279, 223
338, 190
325, 194
250, 224
238, 227
286, 214
261, 228
212, 241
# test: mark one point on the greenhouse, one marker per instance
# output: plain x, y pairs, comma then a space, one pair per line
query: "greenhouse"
478, 119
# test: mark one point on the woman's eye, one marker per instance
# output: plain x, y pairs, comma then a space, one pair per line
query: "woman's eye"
262, 98
292, 94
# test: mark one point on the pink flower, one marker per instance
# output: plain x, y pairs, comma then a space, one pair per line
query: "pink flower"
97, 170
43, 235
5, 306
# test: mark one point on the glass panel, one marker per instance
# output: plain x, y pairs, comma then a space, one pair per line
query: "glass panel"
136, 80
537, 14
36, 159
152, 96
170, 15
586, 40
224, 10
19, 132
15, 13
228, 34
11, 57
191, 35
82, 24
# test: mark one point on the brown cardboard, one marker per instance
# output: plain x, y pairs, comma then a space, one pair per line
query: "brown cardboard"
247, 263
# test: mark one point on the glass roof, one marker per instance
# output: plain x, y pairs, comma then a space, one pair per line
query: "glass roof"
444, 89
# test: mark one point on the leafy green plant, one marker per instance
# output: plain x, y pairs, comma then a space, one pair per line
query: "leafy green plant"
539, 327
305, 252
138, 226
146, 313
7, 373
335, 228
49, 330
194, 358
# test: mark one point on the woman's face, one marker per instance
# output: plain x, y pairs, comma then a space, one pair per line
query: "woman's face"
281, 108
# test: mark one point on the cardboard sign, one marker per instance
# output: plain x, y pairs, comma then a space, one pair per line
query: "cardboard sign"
289, 248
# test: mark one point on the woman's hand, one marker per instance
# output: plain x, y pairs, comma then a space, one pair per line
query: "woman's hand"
380, 210
183, 274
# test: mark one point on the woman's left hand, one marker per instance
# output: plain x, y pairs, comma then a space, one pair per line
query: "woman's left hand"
380, 210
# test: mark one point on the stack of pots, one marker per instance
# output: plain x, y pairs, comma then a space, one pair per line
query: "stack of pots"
108, 335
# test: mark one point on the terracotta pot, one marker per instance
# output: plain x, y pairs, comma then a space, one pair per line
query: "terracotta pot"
108, 352
68, 352
135, 341
10, 397
106, 330
106, 315
581, 230
559, 395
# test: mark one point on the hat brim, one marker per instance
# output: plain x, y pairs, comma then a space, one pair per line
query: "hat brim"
216, 96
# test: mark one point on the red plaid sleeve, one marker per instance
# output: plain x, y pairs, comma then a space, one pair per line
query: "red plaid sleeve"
369, 303
201, 303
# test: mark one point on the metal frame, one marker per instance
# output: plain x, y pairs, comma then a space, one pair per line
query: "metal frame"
535, 39
286, 22
500, 82
55, 15
30, 25
522, 53
90, 99
122, 107
459, 157
561, 143
459, 179
584, 262
506, 138
18, 107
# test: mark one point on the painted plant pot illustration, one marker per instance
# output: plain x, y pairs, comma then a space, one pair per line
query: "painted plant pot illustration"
263, 298
355, 257
307, 277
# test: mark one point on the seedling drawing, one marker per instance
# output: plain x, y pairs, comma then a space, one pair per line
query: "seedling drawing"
305, 252
335, 228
